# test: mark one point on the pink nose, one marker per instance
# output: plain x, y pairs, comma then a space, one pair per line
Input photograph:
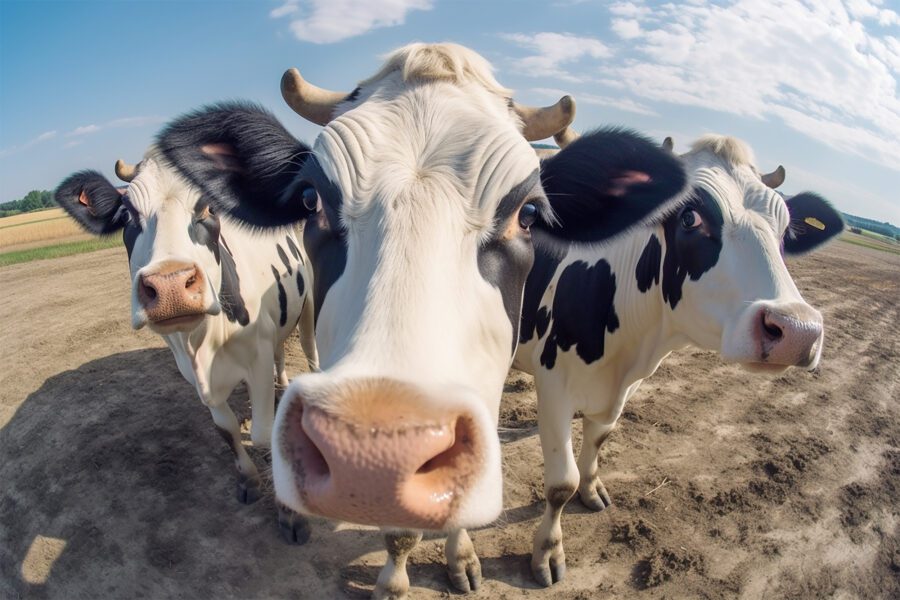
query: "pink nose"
172, 290
789, 334
377, 456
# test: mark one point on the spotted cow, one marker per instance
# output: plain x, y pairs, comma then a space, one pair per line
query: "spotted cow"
597, 321
224, 298
423, 204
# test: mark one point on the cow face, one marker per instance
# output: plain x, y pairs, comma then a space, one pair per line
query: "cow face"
181, 268
723, 270
422, 197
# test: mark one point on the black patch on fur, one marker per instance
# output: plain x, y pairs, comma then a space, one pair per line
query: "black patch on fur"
243, 160
353, 95
129, 237
230, 291
205, 230
301, 285
327, 250
292, 246
105, 213
534, 316
647, 270
691, 252
801, 236
505, 263
282, 297
284, 259
587, 186
583, 312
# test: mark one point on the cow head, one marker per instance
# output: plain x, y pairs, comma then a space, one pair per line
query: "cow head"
723, 272
181, 268
422, 198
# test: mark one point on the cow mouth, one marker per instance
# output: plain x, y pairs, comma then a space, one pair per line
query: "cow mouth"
179, 323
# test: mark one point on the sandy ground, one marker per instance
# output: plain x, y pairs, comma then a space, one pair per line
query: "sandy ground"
725, 484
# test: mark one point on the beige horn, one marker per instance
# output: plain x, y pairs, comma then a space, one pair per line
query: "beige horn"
543, 122
668, 144
775, 178
124, 171
310, 102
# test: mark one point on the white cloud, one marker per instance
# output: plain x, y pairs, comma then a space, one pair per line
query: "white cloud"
83, 130
122, 122
43, 137
625, 104
553, 50
329, 21
626, 28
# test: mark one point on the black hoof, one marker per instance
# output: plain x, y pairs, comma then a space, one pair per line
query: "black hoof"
293, 527
248, 491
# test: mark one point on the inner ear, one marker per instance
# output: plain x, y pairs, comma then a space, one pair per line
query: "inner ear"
618, 185
83, 199
225, 157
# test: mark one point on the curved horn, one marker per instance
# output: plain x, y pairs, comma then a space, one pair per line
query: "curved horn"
124, 171
668, 144
540, 123
775, 178
310, 102
565, 137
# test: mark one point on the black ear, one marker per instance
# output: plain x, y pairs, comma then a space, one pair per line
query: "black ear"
607, 181
813, 222
242, 158
92, 201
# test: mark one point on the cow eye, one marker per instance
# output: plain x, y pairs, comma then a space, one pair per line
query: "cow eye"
691, 219
528, 215
310, 197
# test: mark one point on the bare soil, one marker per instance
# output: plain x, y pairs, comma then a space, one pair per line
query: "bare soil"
114, 483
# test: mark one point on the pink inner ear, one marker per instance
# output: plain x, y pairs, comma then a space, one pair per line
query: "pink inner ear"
224, 156
83, 199
620, 184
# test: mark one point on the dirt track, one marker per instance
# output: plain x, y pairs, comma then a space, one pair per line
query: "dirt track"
116, 485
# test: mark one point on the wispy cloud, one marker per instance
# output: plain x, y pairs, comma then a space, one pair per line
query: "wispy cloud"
551, 52
827, 70
625, 104
115, 123
47, 135
329, 21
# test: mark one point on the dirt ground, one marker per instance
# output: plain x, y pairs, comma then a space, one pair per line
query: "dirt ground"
114, 483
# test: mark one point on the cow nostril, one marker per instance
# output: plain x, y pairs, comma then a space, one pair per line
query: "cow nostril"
312, 460
147, 290
448, 460
190, 282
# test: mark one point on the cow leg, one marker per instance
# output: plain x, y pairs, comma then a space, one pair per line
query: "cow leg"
248, 490
308, 335
463, 565
393, 582
262, 404
591, 490
280, 374
548, 560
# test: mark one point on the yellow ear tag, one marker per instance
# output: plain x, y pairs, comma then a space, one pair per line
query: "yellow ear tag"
815, 223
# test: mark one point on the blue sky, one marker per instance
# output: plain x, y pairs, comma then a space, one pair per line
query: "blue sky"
811, 85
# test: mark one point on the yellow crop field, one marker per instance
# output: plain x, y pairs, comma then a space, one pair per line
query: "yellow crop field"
38, 228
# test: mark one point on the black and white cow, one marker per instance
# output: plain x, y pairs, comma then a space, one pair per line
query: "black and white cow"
596, 322
422, 200
224, 298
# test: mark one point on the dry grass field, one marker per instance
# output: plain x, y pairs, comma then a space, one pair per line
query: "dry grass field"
30, 230
725, 484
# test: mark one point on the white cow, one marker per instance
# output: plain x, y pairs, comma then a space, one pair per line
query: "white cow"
423, 200
224, 298
596, 322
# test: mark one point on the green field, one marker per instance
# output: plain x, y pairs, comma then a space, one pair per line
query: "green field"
58, 250
873, 241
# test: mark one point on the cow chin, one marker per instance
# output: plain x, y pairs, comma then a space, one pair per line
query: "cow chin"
375, 452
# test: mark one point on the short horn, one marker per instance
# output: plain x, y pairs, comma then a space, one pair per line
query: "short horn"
541, 123
668, 144
565, 137
775, 178
310, 102
124, 171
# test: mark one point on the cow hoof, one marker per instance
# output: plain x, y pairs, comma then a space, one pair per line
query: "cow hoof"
593, 495
549, 570
466, 575
248, 491
389, 594
293, 527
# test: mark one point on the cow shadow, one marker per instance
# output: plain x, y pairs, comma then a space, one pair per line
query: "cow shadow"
116, 484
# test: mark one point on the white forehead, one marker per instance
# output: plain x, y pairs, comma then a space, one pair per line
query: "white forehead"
434, 120
726, 167
157, 185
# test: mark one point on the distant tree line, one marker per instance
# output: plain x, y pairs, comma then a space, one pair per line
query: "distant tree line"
33, 200
885, 228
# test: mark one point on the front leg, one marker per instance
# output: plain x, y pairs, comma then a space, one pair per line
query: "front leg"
262, 403
393, 582
548, 560
308, 335
462, 562
248, 490
591, 490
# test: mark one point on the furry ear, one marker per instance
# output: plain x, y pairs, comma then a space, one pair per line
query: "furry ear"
92, 201
607, 181
242, 158
813, 222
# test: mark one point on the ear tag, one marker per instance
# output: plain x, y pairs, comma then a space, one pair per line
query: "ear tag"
814, 222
